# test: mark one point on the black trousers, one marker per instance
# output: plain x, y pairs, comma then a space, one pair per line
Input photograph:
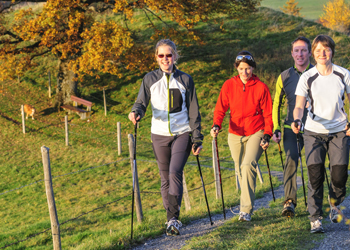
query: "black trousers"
317, 146
171, 153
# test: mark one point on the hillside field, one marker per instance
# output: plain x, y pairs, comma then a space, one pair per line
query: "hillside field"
311, 9
93, 184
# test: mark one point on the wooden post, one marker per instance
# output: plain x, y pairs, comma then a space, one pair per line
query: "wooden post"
49, 75
55, 226
185, 193
119, 135
104, 101
138, 204
23, 120
216, 171
67, 132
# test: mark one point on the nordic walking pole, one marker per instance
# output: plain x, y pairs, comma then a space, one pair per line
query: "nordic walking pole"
301, 165
222, 191
133, 183
268, 169
280, 151
205, 194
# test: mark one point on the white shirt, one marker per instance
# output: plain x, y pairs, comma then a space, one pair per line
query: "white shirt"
326, 95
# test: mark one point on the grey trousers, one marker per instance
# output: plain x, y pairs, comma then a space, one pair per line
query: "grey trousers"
171, 153
246, 151
317, 146
290, 169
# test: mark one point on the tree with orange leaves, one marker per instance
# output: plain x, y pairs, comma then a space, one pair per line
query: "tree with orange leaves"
83, 45
336, 15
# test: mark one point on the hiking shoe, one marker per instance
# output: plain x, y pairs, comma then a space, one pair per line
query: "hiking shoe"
244, 216
316, 227
334, 215
288, 209
173, 227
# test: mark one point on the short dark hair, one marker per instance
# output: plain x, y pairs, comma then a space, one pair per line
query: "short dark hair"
304, 39
326, 41
249, 62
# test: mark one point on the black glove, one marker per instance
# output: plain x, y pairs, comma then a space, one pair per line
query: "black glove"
348, 126
136, 114
276, 132
216, 127
296, 122
196, 145
266, 138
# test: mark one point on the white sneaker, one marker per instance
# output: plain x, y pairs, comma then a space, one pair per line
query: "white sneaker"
173, 227
334, 215
244, 216
316, 226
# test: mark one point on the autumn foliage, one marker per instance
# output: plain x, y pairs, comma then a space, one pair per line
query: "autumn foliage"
291, 8
69, 30
336, 15
84, 42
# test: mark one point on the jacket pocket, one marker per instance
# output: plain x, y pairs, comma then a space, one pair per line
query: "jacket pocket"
175, 101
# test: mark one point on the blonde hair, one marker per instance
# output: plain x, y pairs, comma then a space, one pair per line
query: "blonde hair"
171, 44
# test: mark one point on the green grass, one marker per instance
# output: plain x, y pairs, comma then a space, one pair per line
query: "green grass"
311, 9
93, 144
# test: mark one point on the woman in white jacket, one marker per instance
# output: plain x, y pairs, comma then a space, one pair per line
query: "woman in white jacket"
176, 125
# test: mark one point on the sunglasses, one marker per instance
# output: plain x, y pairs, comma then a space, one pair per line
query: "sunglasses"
167, 55
240, 57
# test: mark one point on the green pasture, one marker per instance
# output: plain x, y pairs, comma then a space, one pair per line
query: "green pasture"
311, 9
93, 185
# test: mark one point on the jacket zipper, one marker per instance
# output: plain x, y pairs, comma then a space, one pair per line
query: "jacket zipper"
171, 97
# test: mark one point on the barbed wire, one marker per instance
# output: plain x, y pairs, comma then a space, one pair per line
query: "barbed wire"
97, 138
32, 236
207, 184
103, 206
74, 124
72, 219
58, 176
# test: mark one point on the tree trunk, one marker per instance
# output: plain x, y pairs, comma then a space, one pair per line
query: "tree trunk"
66, 84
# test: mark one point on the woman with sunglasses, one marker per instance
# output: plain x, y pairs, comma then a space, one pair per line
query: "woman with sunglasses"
176, 125
250, 126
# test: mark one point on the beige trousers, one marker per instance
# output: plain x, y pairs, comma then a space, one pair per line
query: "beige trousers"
246, 151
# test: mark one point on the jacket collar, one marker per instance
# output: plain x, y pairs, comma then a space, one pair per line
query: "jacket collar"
252, 81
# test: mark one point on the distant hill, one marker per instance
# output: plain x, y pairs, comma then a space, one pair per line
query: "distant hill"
311, 9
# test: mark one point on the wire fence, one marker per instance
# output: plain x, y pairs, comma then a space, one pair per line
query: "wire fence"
95, 209
88, 134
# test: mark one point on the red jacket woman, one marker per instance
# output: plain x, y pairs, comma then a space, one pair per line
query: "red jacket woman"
250, 106
250, 129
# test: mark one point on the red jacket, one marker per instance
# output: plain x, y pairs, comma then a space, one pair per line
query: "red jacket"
250, 106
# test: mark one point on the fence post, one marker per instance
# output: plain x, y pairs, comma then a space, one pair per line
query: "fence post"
119, 135
185, 193
23, 120
104, 101
67, 132
139, 213
49, 75
216, 171
55, 226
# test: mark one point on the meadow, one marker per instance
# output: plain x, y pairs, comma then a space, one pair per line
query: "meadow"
311, 9
92, 184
